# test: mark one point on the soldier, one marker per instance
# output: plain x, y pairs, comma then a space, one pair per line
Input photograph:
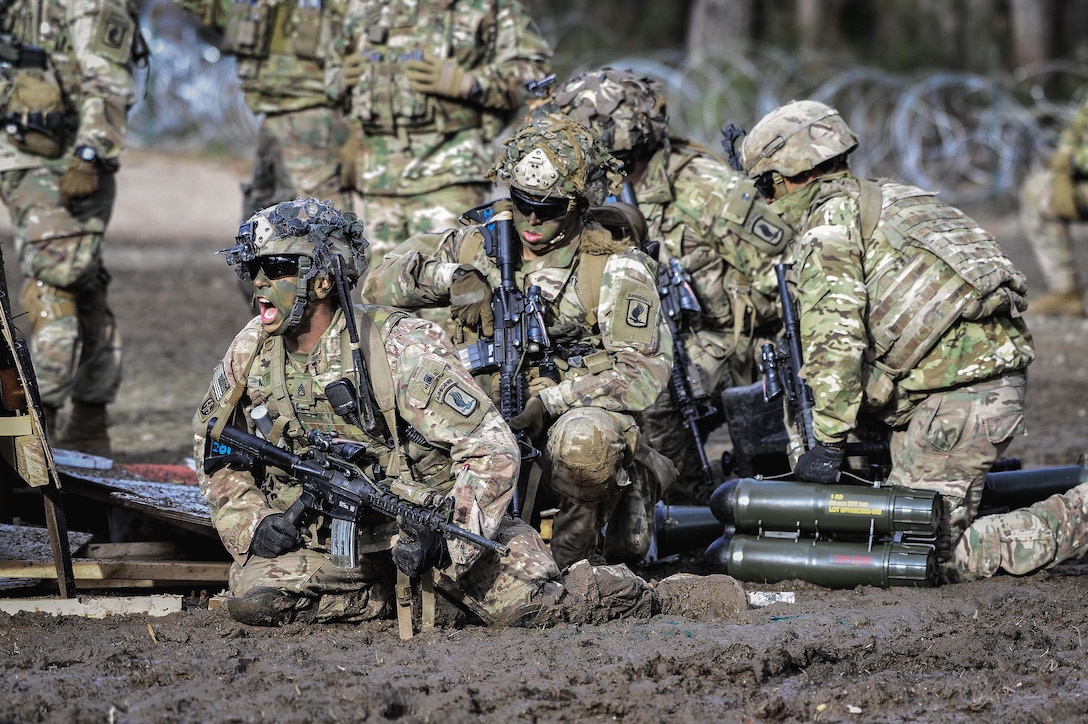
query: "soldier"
427, 86
66, 87
282, 50
602, 314
910, 311
710, 218
1050, 201
436, 427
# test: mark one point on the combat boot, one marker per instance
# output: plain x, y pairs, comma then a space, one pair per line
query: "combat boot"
267, 606
1062, 304
88, 430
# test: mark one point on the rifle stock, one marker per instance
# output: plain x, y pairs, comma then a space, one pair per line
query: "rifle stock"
334, 488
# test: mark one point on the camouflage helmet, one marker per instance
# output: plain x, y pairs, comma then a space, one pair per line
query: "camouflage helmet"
555, 156
625, 110
795, 138
305, 227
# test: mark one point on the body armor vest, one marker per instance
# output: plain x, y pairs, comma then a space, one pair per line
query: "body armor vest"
293, 391
938, 266
383, 99
263, 28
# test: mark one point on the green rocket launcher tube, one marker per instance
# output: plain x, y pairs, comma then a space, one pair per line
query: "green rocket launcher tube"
754, 506
832, 564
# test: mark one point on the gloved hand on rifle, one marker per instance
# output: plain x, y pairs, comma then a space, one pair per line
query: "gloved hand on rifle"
418, 549
275, 535
820, 464
470, 300
534, 419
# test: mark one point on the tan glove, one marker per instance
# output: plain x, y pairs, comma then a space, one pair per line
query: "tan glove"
351, 71
439, 77
1063, 197
540, 383
534, 419
470, 301
81, 179
346, 162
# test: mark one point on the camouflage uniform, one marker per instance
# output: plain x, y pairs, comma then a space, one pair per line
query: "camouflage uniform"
710, 218
593, 442
910, 311
281, 50
75, 342
460, 447
421, 157
1050, 201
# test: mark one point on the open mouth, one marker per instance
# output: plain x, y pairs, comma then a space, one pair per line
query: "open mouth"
268, 311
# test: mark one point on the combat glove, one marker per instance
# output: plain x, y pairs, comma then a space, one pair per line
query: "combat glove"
820, 464
275, 535
470, 301
439, 76
351, 72
81, 179
418, 549
533, 419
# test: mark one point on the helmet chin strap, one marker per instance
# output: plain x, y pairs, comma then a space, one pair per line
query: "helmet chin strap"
302, 286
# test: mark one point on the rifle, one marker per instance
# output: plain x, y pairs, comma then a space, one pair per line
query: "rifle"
333, 486
782, 368
677, 297
519, 328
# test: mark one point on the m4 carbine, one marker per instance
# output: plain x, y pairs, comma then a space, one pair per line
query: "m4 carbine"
334, 487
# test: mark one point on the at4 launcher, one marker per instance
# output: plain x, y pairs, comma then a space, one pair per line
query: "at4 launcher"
334, 486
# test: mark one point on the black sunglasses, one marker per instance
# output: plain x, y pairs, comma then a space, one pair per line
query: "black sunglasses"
544, 209
274, 267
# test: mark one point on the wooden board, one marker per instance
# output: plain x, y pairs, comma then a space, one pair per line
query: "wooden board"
95, 607
122, 570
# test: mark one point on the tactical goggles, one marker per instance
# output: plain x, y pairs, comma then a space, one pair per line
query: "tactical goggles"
548, 209
274, 267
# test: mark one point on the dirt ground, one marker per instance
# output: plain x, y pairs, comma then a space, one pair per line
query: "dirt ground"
1007, 649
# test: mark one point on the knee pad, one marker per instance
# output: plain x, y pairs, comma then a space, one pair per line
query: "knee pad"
587, 448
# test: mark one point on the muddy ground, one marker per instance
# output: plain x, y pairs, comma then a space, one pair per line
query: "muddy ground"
1006, 649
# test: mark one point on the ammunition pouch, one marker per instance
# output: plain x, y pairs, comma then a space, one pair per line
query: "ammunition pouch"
33, 110
248, 32
384, 102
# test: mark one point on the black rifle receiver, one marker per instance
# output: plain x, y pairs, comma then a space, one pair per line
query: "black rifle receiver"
333, 487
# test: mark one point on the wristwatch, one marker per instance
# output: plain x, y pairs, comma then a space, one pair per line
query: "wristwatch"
86, 153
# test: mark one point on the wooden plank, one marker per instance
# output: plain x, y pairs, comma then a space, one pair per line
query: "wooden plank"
145, 551
86, 569
32, 543
94, 607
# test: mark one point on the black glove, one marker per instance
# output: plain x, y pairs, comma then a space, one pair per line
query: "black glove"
470, 301
820, 464
534, 418
275, 535
418, 549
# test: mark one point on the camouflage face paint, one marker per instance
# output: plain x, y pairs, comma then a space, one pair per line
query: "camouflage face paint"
275, 299
541, 236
